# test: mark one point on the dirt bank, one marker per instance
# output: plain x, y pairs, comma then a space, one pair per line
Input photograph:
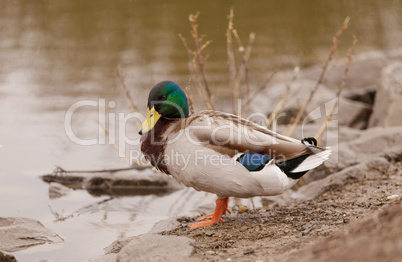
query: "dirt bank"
334, 225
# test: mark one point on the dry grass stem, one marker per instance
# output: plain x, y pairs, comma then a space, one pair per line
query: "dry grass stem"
199, 58
335, 42
133, 106
328, 118
284, 97
197, 61
193, 67
261, 88
190, 101
243, 69
194, 70
231, 61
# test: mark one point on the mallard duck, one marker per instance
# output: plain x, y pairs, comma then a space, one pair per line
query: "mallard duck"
221, 153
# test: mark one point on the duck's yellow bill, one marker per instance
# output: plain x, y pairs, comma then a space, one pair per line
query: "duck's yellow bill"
149, 123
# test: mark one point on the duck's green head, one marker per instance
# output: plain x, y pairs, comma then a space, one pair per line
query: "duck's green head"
167, 100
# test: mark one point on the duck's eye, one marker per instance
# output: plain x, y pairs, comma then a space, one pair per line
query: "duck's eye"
164, 97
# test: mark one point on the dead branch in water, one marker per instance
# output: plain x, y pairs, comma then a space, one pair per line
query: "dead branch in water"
335, 42
328, 118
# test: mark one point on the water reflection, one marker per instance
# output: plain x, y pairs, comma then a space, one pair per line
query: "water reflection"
55, 53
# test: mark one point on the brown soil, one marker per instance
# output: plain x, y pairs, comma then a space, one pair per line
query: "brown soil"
341, 224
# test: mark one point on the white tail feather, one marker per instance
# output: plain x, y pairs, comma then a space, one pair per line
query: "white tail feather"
313, 161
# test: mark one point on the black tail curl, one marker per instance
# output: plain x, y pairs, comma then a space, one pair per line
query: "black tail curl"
310, 141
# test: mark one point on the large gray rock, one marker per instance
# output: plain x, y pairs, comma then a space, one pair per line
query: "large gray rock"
378, 141
365, 70
300, 90
18, 233
150, 247
388, 103
353, 114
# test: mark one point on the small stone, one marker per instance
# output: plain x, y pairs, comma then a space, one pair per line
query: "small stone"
305, 232
210, 252
340, 221
377, 203
393, 197
243, 228
307, 226
242, 209
209, 233
248, 251
147, 246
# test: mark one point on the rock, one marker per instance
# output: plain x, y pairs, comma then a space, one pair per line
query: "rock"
106, 258
242, 209
20, 233
371, 63
57, 190
164, 225
388, 102
4, 257
150, 247
248, 251
117, 245
353, 113
270, 97
393, 198
378, 141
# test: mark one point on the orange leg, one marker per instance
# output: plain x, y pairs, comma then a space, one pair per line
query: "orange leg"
207, 220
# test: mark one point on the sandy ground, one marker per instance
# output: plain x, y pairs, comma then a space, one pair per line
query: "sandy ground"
342, 223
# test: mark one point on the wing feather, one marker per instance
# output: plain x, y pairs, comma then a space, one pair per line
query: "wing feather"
217, 129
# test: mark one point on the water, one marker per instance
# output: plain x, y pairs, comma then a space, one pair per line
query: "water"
56, 53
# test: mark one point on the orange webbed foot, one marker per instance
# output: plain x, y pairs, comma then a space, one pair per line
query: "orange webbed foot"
207, 220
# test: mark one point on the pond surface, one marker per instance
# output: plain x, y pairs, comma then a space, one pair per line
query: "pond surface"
56, 53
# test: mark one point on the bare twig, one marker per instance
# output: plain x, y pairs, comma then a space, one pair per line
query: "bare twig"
129, 99
243, 69
284, 97
231, 61
335, 42
320, 132
190, 101
193, 67
261, 88
198, 57
197, 61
